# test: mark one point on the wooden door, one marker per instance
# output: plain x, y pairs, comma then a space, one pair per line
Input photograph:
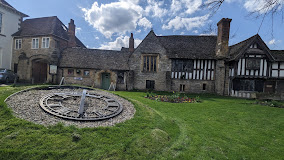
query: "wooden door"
39, 72
105, 81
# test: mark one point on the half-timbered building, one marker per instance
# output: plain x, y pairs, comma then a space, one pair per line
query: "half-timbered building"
193, 64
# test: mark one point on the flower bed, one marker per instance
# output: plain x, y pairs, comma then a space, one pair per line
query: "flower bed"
174, 98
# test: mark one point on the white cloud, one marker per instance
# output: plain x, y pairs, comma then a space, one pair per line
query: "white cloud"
260, 6
190, 6
121, 41
97, 37
195, 31
274, 42
115, 17
187, 23
155, 9
78, 30
144, 22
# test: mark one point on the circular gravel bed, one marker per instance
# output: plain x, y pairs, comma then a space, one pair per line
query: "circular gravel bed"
25, 105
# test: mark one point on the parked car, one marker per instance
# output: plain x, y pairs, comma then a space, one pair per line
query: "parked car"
7, 75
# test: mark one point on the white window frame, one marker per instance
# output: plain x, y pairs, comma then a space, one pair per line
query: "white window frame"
18, 43
36, 45
43, 42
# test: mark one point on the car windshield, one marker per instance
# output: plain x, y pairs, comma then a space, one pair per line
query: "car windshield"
2, 70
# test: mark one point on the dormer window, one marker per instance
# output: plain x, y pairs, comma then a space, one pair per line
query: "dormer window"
45, 42
35, 43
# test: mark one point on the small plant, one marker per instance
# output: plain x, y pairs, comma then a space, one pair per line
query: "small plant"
173, 98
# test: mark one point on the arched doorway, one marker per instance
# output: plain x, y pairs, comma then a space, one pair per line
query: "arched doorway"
39, 71
105, 80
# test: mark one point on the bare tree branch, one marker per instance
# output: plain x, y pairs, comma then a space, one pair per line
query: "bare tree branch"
269, 9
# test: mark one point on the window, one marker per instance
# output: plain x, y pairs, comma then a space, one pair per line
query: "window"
35, 44
18, 44
150, 84
70, 72
150, 63
182, 65
253, 63
120, 77
86, 73
181, 87
45, 42
0, 22
204, 87
248, 85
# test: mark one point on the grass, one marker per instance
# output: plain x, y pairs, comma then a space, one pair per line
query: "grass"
217, 128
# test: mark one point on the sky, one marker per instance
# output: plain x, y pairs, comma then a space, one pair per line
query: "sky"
107, 24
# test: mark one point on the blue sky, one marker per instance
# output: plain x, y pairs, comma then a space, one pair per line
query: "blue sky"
107, 24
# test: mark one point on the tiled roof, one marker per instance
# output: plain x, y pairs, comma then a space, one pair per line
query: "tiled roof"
278, 55
236, 49
190, 47
94, 58
44, 26
6, 4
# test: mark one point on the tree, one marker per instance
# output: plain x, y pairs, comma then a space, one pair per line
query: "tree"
263, 9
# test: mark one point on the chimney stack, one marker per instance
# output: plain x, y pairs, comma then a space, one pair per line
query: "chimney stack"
223, 37
131, 43
71, 34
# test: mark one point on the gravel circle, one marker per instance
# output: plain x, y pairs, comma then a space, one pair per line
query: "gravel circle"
25, 105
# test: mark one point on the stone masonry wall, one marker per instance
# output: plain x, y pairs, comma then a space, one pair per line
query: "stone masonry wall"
150, 45
193, 86
93, 80
24, 56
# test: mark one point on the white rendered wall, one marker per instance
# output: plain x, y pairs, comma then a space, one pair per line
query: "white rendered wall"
10, 25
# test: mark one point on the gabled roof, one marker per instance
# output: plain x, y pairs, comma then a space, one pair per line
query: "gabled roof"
94, 58
190, 47
278, 55
44, 26
8, 6
237, 50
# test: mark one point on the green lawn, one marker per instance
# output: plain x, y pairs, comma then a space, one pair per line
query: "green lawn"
217, 128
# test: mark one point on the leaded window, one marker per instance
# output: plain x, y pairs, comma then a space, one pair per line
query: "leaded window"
182, 65
150, 63
120, 77
252, 63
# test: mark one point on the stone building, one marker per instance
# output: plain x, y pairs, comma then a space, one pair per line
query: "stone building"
41, 42
193, 64
10, 20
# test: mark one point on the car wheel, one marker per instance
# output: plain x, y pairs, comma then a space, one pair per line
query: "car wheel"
7, 80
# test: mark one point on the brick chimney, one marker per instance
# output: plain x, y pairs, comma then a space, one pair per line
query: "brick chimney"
71, 34
131, 43
223, 37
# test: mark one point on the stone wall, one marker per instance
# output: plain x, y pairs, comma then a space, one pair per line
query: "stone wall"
193, 86
26, 55
93, 80
150, 45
